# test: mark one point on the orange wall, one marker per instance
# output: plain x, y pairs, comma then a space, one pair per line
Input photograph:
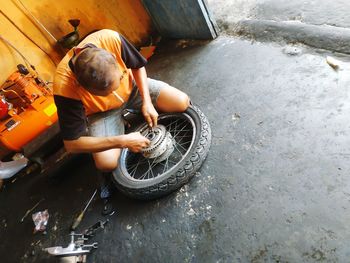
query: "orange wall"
126, 17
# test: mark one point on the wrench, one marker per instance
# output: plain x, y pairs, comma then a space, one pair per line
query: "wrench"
93, 245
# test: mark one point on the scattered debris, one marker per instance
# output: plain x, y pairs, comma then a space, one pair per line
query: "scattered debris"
334, 63
292, 51
184, 43
191, 212
108, 208
4, 222
40, 220
236, 116
17, 156
147, 52
31, 210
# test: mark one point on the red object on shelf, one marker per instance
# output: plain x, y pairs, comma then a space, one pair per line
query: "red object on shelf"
3, 108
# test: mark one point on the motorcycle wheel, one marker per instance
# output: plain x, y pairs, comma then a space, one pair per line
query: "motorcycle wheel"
142, 178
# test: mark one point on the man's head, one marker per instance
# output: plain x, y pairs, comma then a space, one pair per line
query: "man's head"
96, 70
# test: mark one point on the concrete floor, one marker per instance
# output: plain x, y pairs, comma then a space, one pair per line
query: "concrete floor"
274, 188
320, 12
321, 24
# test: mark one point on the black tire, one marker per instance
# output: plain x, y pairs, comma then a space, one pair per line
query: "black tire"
176, 176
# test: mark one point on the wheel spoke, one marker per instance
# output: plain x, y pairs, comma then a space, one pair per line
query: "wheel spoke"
178, 125
165, 165
181, 146
171, 123
178, 132
138, 163
184, 144
134, 167
180, 139
169, 127
178, 149
149, 169
133, 172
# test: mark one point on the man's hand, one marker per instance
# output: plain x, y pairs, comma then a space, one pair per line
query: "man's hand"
135, 142
150, 114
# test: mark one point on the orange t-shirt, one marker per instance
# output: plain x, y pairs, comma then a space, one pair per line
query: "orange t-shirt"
66, 84
74, 102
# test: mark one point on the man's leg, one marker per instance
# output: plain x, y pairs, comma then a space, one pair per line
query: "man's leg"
164, 97
171, 99
106, 124
107, 161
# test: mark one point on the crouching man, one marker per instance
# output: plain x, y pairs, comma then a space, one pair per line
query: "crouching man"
93, 83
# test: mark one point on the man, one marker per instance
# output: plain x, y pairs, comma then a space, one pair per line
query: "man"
93, 83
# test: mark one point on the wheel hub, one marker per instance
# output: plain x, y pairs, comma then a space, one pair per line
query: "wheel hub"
161, 145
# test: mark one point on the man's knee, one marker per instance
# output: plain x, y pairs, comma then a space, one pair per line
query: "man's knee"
106, 166
172, 100
107, 161
184, 102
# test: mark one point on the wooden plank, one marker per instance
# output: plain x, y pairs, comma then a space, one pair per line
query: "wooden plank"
181, 18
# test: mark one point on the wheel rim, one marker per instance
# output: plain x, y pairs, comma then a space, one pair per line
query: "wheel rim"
138, 168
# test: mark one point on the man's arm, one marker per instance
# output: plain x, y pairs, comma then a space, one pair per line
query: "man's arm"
133, 141
136, 62
140, 77
148, 110
73, 124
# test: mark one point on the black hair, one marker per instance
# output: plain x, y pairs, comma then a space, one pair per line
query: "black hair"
92, 67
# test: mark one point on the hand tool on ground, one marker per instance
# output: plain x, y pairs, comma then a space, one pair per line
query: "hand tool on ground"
81, 215
77, 247
30, 210
90, 231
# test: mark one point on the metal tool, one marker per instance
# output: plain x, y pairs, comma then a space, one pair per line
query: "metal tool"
81, 215
30, 210
74, 248
90, 231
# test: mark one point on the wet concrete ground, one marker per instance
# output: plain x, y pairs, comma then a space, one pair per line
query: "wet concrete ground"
320, 24
275, 185
320, 12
